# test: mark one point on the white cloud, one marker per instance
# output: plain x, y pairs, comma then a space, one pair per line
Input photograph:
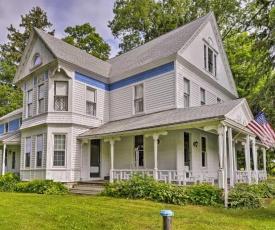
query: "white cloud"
62, 13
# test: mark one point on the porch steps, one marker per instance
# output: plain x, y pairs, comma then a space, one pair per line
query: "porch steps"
88, 188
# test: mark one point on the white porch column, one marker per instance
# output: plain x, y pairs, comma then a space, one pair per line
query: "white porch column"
264, 158
112, 143
3, 160
155, 136
231, 156
221, 169
255, 160
225, 166
247, 158
235, 160
81, 157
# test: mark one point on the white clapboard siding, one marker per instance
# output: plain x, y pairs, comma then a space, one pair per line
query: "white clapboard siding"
121, 103
159, 93
79, 97
210, 98
44, 154
24, 105
180, 90
76, 153
102, 105
34, 100
124, 151
194, 94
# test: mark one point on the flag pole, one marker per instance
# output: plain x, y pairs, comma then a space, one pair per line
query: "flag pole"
238, 134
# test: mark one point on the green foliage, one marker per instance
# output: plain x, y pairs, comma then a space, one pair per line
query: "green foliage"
239, 198
40, 186
8, 182
204, 194
145, 187
85, 37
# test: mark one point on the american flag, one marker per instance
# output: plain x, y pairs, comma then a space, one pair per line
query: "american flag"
262, 129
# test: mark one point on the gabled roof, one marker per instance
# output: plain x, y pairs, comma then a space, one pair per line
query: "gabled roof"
161, 47
64, 51
164, 118
13, 113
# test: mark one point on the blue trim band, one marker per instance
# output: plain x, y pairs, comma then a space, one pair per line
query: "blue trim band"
127, 81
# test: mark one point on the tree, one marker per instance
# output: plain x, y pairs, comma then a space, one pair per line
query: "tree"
85, 37
139, 21
10, 56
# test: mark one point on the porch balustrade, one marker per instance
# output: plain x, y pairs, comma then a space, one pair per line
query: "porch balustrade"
241, 176
262, 175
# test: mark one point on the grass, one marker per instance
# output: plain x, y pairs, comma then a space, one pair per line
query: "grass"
32, 211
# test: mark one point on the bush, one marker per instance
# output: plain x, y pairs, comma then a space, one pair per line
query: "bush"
42, 187
239, 198
204, 194
8, 182
145, 187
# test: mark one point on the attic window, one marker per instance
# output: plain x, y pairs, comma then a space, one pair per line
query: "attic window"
36, 60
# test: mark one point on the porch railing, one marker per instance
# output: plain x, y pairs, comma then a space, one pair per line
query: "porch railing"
241, 176
125, 174
262, 175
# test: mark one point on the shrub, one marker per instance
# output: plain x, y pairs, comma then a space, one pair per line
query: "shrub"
8, 182
145, 187
41, 186
267, 189
239, 198
204, 194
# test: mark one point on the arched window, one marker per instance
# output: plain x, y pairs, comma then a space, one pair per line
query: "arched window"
36, 60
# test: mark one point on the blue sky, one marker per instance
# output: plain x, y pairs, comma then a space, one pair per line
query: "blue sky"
62, 13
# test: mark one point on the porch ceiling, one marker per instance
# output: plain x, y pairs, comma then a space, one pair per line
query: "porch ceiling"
13, 138
184, 116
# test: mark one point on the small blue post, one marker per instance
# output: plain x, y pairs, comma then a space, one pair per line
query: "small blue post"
167, 219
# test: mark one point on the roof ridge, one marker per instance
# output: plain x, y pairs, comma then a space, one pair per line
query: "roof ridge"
165, 34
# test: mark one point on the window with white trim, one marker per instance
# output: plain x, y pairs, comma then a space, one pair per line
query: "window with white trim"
28, 152
59, 150
210, 60
41, 102
36, 60
7, 127
61, 96
186, 93
203, 152
90, 101
29, 104
138, 101
39, 150
202, 96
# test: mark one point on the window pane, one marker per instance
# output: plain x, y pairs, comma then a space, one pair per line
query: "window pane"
41, 92
90, 94
90, 108
59, 142
61, 88
30, 96
41, 106
139, 152
202, 96
59, 158
210, 60
39, 143
28, 145
186, 86
203, 144
138, 91
37, 60
205, 57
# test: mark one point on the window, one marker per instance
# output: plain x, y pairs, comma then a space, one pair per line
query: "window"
28, 152
41, 92
203, 152
139, 153
186, 97
90, 101
29, 103
210, 60
7, 127
202, 92
61, 96
13, 161
39, 148
37, 60
59, 150
138, 102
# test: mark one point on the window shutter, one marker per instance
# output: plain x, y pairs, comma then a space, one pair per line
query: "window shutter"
138, 91
61, 88
90, 95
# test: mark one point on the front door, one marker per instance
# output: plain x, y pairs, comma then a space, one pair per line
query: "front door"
187, 159
95, 158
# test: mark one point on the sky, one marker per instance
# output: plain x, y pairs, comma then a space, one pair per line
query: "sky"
62, 13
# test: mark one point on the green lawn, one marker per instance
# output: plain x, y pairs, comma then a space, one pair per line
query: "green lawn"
31, 211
